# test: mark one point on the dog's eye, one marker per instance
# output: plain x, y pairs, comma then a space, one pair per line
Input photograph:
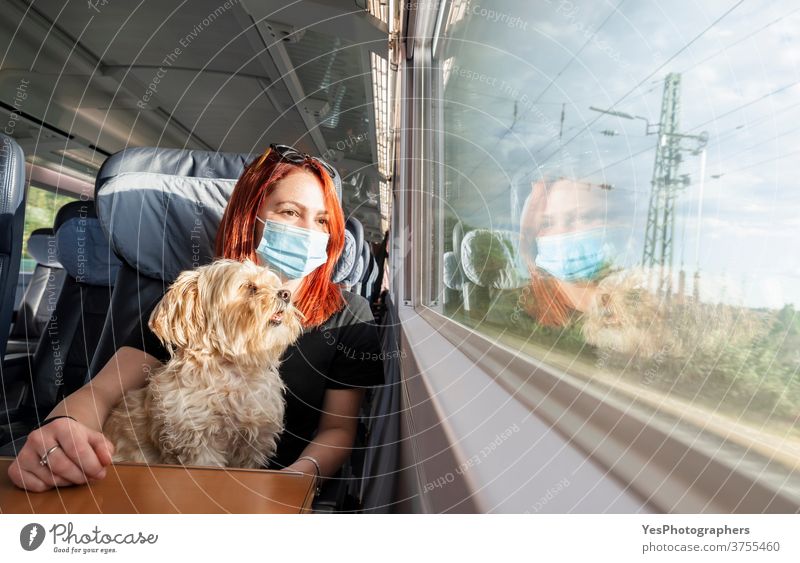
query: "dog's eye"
251, 287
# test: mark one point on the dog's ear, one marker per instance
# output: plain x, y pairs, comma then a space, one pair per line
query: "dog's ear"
178, 319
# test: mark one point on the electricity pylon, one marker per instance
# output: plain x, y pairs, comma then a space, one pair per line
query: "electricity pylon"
667, 183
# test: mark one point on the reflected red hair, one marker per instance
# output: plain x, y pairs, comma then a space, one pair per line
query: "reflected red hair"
550, 305
318, 297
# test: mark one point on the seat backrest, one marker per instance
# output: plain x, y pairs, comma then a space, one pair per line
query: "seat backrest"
458, 236
70, 337
453, 276
354, 227
381, 447
347, 263
370, 273
369, 282
12, 222
41, 293
490, 258
160, 209
346, 269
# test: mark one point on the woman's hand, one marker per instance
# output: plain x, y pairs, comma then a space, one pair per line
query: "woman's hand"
83, 451
81, 457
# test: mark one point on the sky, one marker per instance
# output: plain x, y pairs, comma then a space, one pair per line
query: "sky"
516, 65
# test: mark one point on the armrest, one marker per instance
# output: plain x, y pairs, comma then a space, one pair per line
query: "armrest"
14, 368
14, 385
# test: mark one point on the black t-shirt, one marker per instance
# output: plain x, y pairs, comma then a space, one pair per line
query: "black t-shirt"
341, 353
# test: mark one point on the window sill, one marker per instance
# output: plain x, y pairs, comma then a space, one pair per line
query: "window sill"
476, 448
662, 458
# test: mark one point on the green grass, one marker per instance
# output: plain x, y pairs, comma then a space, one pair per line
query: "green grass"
741, 362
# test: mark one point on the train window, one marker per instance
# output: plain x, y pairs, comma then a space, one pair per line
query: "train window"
40, 212
618, 200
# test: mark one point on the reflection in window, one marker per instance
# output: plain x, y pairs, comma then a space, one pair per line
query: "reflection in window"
620, 198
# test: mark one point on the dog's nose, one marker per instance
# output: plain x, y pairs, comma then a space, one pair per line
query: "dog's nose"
284, 295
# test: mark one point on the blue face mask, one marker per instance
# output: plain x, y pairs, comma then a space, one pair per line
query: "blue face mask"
293, 252
573, 256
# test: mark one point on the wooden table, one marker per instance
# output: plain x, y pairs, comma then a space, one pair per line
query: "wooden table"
131, 488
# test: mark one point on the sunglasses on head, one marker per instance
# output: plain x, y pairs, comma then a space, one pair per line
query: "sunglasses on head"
291, 154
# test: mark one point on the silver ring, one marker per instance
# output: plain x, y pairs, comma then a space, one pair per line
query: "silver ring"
43, 460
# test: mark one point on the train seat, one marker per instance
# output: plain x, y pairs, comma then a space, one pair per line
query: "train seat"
370, 274
490, 258
70, 337
352, 267
453, 274
40, 296
12, 222
160, 209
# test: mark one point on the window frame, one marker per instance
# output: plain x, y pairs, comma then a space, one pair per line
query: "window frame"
661, 465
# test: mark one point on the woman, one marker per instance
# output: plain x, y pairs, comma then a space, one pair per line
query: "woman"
284, 213
563, 240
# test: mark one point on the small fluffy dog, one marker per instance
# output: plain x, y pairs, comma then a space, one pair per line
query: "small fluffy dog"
625, 316
219, 400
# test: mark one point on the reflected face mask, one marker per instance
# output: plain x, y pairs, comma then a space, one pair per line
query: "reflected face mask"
293, 252
573, 256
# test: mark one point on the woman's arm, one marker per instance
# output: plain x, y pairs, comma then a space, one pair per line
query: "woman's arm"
127, 369
337, 431
84, 451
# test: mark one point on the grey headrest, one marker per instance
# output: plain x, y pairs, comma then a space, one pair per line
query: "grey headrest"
369, 262
161, 207
42, 247
162, 224
346, 264
353, 253
490, 258
361, 263
12, 176
453, 275
458, 236
82, 247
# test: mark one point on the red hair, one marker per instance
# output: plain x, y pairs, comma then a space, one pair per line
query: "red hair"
550, 304
318, 297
